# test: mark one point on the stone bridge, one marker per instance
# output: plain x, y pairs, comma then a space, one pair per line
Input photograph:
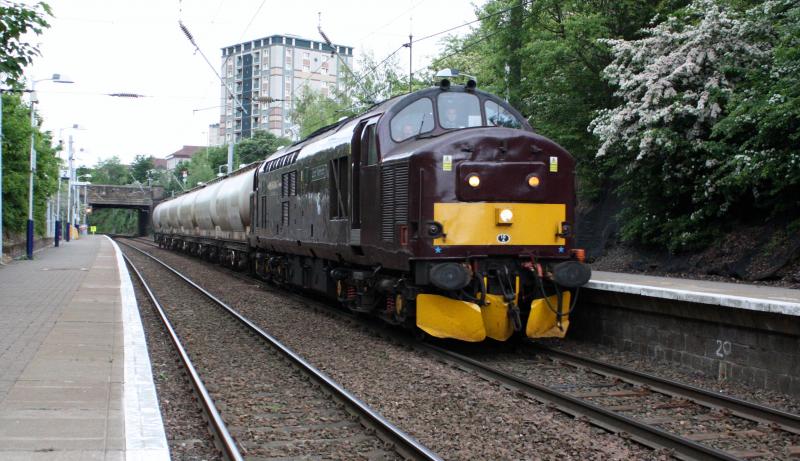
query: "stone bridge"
141, 198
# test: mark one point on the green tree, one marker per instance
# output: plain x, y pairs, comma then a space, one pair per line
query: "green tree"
259, 146
546, 58
141, 166
114, 221
17, 20
682, 183
16, 157
757, 139
110, 171
375, 82
313, 110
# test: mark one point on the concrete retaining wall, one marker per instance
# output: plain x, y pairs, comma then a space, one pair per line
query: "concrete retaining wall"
759, 349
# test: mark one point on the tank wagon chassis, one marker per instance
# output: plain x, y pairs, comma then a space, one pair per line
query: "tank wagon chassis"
439, 210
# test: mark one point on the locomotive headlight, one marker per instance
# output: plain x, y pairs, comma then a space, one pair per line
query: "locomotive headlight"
504, 216
533, 181
474, 180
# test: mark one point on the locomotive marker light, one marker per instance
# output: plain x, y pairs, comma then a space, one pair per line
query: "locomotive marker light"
474, 180
534, 181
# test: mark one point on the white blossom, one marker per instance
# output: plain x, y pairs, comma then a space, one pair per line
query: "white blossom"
675, 73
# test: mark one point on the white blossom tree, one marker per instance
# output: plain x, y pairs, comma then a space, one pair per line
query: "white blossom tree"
674, 82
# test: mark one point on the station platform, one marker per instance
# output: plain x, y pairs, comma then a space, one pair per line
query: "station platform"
735, 295
75, 377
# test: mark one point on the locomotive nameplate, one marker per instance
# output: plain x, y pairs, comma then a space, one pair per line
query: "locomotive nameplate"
319, 172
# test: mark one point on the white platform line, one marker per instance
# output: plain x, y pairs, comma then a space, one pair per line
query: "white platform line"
144, 428
718, 299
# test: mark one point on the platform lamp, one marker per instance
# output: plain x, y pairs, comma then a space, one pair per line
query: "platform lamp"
61, 176
76, 214
57, 78
85, 206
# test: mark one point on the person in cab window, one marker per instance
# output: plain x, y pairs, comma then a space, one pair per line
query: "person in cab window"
451, 119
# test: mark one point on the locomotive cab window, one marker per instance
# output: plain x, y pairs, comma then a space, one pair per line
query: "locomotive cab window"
459, 110
369, 145
496, 115
414, 119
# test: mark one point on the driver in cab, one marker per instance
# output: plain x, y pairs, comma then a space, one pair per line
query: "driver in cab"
452, 119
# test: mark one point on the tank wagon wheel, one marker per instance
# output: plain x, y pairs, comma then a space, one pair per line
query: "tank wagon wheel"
244, 262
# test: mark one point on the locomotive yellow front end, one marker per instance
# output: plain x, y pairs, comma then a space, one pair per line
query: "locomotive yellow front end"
491, 223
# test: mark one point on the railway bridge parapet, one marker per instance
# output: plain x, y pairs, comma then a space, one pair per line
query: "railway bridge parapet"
137, 197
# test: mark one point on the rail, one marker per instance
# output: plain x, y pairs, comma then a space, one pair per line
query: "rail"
645, 434
222, 436
404, 444
748, 410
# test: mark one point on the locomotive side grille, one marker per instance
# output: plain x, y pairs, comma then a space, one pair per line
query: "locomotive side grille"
394, 199
289, 184
285, 213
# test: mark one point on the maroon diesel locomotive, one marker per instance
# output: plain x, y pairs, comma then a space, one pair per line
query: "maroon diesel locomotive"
440, 209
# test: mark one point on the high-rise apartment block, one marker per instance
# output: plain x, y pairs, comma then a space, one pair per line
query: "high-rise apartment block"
268, 75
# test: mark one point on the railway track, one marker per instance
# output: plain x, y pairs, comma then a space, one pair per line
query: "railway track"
687, 422
281, 406
219, 430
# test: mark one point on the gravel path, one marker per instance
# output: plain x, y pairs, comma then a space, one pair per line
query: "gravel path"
456, 414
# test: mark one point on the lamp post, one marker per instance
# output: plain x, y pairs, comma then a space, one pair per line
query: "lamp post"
61, 176
78, 183
29, 236
86, 206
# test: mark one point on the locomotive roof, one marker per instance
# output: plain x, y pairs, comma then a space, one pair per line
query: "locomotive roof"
391, 106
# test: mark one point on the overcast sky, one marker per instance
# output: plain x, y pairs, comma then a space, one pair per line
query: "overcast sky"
136, 46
